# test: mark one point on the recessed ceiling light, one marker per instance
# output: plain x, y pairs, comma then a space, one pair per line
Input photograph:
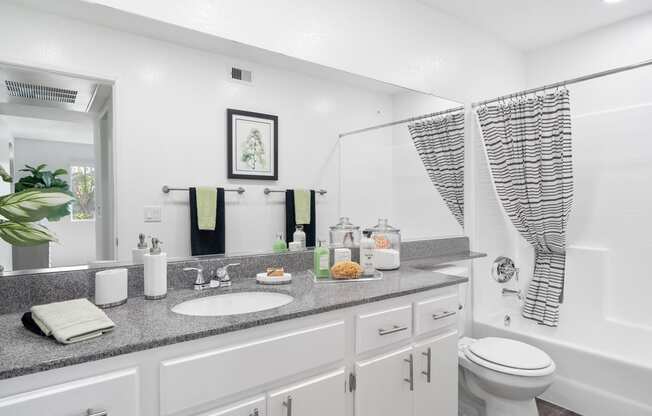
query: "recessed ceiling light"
611, 1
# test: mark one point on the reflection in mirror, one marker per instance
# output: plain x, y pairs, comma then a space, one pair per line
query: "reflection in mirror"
383, 175
282, 134
56, 134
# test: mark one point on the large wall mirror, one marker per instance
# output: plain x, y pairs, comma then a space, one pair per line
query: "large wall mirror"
130, 148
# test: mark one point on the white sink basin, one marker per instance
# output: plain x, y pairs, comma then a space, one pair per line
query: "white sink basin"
232, 303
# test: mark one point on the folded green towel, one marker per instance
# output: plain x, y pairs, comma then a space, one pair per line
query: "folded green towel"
301, 206
71, 321
206, 208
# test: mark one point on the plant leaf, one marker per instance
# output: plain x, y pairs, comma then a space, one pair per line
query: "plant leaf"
33, 204
25, 234
59, 172
5, 176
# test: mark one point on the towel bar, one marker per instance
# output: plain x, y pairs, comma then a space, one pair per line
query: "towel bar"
269, 191
166, 189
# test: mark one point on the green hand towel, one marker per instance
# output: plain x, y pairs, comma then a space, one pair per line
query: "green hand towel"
301, 206
206, 208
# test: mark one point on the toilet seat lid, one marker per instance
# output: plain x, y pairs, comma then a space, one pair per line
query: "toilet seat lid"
509, 353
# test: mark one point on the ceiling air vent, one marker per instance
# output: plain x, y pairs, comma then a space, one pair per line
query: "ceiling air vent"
240, 74
40, 92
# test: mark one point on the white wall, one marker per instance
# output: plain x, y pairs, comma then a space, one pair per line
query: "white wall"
404, 42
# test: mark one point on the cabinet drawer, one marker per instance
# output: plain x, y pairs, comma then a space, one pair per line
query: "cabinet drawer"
255, 406
190, 381
115, 393
435, 313
382, 328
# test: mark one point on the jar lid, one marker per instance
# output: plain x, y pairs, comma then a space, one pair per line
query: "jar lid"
382, 226
344, 224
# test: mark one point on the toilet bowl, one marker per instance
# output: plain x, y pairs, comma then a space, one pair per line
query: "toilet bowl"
506, 375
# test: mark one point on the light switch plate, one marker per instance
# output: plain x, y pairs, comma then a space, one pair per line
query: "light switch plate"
152, 213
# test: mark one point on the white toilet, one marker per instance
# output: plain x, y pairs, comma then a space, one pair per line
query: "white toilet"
505, 374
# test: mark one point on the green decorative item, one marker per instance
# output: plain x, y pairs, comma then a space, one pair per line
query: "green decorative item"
45, 179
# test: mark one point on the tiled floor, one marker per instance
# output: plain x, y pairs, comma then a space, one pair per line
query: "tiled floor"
549, 409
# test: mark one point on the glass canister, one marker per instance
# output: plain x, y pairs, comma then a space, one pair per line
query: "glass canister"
387, 254
344, 234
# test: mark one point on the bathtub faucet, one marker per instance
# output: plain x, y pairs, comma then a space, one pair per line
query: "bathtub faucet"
513, 292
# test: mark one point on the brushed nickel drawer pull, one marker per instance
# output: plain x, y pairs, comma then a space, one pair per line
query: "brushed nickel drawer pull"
91, 412
288, 405
411, 379
393, 330
428, 371
442, 315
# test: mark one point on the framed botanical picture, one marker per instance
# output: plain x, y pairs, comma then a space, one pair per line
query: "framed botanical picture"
252, 145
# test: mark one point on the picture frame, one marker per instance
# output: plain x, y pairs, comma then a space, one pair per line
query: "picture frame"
252, 145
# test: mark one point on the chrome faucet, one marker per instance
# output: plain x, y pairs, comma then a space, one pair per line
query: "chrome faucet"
223, 274
200, 283
513, 292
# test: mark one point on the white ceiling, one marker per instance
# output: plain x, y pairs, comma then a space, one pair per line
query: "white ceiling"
52, 130
529, 24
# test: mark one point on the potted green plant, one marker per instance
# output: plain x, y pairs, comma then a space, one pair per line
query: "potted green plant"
21, 211
39, 178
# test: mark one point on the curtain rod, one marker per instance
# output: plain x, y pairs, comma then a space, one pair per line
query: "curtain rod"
406, 120
567, 82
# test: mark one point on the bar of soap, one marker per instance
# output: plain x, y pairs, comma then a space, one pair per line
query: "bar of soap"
275, 271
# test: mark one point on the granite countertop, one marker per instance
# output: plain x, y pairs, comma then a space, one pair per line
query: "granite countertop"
142, 324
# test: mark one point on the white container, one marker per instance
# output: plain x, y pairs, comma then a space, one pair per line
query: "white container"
110, 287
295, 246
156, 272
367, 249
299, 236
138, 252
342, 254
387, 259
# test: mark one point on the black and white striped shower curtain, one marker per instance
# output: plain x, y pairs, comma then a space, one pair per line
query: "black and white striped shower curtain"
440, 144
528, 144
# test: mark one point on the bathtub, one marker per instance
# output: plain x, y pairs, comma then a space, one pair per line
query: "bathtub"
603, 368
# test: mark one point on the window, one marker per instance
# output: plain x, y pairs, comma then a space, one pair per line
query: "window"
82, 185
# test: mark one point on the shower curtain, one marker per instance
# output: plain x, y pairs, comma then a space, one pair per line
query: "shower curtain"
528, 144
440, 144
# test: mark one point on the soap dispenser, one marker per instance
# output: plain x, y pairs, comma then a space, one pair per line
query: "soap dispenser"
156, 272
279, 246
142, 249
299, 236
321, 256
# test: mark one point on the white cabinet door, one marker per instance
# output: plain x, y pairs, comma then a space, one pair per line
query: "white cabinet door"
115, 393
383, 386
435, 372
254, 406
320, 396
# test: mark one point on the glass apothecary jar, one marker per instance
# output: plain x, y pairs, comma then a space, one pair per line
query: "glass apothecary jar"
387, 254
344, 234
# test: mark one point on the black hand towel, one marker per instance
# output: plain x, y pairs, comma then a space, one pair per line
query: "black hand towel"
28, 323
204, 242
290, 224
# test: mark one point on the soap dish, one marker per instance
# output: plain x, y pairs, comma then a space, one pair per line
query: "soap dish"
263, 279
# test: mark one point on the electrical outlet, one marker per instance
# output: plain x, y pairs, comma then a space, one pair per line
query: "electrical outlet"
152, 213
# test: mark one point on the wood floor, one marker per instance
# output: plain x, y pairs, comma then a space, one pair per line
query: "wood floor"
549, 409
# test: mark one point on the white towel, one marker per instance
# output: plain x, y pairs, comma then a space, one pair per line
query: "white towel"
71, 321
